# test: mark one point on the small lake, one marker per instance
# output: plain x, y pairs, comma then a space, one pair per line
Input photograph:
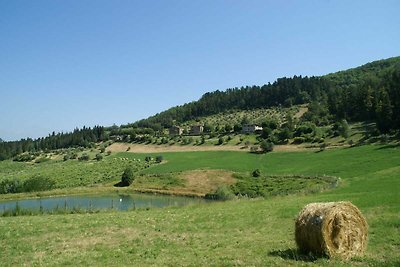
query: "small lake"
97, 202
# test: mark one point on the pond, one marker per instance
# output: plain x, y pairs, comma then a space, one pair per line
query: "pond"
97, 202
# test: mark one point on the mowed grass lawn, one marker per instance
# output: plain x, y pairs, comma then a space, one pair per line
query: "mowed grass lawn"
234, 233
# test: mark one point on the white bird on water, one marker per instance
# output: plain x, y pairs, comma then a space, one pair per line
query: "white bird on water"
120, 200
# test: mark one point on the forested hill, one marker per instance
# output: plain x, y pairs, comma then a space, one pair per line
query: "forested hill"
367, 93
356, 76
79, 137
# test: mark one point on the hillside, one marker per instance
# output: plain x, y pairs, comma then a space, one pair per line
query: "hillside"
357, 94
369, 94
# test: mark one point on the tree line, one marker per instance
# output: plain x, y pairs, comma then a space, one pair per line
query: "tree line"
78, 138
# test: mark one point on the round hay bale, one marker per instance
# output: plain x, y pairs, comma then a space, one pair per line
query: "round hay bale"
334, 229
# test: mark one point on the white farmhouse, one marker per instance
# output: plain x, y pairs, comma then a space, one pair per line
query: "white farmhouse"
251, 128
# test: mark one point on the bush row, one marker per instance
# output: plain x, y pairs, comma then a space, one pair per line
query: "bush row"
33, 184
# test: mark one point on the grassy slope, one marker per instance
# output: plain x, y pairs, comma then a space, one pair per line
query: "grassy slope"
244, 232
71, 173
367, 171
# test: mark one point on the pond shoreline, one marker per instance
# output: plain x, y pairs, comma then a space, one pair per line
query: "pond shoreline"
90, 203
93, 190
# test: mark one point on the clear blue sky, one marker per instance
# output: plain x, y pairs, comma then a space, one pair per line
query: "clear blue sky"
66, 64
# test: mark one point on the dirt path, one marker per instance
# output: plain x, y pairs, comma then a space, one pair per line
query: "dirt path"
303, 109
140, 148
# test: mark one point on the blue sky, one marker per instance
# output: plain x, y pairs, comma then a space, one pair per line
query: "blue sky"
66, 64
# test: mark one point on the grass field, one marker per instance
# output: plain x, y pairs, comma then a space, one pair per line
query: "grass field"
72, 173
245, 232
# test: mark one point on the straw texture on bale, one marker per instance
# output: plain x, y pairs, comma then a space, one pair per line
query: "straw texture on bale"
334, 229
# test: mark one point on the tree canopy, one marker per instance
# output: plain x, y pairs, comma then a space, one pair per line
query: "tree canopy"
78, 138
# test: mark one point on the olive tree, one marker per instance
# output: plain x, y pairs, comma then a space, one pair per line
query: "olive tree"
127, 177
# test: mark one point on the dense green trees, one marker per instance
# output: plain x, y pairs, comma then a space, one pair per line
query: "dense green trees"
79, 137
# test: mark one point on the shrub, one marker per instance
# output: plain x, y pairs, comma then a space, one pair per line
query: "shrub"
41, 159
344, 129
11, 186
254, 149
84, 157
237, 128
341, 128
256, 173
102, 149
187, 140
298, 140
108, 153
266, 132
66, 157
24, 157
220, 141
385, 138
284, 134
350, 142
222, 193
148, 158
38, 183
322, 147
306, 128
266, 146
99, 157
127, 177
159, 159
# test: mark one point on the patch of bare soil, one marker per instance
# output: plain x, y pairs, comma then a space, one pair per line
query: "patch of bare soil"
206, 181
303, 109
141, 148
197, 183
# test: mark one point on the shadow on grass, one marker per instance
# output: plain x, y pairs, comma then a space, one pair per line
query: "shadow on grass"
293, 254
120, 184
389, 146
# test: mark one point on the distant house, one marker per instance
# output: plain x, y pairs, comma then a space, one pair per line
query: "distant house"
175, 130
196, 129
251, 128
117, 138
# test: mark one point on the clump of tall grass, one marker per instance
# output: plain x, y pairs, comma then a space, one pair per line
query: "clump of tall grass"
273, 185
19, 211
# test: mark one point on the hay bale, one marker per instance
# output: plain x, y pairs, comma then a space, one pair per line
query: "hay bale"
334, 229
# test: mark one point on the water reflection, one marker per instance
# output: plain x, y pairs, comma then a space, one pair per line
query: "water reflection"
110, 201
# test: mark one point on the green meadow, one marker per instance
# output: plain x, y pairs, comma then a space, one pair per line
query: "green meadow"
241, 232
